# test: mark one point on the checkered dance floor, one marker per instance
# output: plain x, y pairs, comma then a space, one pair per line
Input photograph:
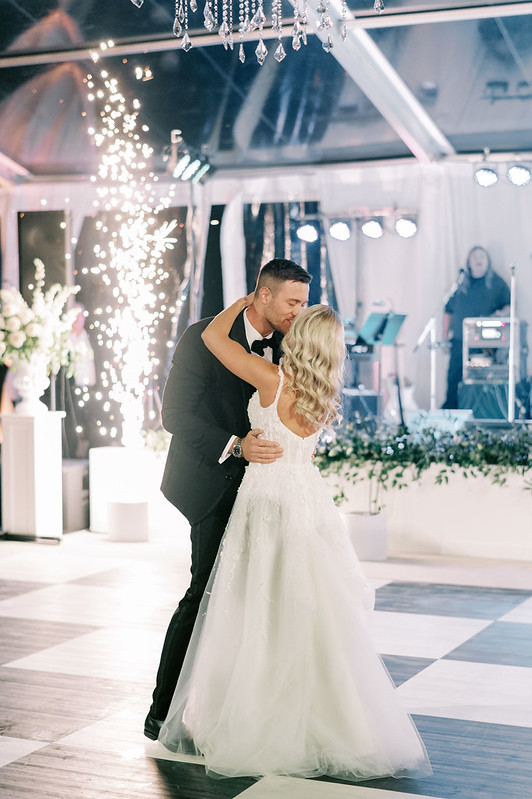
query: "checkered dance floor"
81, 629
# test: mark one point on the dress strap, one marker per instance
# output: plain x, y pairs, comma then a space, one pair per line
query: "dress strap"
280, 386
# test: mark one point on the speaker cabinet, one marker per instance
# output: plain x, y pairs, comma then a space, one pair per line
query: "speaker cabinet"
490, 400
362, 401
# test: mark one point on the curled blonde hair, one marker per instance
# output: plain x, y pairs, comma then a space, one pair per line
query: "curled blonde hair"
314, 354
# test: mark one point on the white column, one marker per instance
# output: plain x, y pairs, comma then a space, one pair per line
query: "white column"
32, 475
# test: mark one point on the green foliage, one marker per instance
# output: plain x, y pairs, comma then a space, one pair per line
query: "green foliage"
392, 457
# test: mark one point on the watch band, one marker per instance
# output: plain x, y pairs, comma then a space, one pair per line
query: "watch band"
237, 448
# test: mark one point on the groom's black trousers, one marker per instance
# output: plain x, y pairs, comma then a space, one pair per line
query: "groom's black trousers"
205, 538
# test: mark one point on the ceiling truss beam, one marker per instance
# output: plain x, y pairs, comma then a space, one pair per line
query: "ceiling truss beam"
163, 43
372, 72
395, 19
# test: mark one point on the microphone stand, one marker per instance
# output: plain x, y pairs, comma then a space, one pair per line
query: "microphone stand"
430, 331
511, 353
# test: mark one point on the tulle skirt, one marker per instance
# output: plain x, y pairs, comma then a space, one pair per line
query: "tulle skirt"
281, 675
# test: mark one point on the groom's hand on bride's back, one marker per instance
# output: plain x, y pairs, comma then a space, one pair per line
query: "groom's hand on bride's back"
258, 450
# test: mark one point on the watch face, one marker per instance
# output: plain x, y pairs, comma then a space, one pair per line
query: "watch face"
237, 449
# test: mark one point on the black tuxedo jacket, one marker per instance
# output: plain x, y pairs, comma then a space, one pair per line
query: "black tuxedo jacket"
204, 404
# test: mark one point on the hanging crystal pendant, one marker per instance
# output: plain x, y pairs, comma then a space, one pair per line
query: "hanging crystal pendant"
137, 3
378, 6
208, 18
186, 44
244, 26
277, 17
261, 52
258, 20
324, 18
241, 53
328, 45
193, 5
344, 17
296, 35
279, 53
223, 31
181, 13
177, 28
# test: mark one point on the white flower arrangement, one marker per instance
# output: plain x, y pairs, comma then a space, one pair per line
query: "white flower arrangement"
42, 329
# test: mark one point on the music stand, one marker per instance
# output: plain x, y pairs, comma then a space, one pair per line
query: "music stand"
381, 329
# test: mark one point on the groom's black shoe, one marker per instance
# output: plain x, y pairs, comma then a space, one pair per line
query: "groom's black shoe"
152, 727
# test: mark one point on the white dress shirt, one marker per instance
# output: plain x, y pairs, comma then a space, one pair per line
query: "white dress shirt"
251, 336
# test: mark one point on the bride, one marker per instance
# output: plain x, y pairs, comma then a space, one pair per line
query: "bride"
281, 675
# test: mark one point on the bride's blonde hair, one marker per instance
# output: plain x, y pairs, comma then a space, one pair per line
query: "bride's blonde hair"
314, 354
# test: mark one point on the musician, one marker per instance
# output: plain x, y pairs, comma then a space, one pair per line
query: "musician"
480, 292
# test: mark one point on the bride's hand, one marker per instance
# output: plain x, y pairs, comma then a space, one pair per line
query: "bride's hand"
243, 302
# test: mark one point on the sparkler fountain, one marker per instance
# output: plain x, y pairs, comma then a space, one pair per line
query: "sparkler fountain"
129, 262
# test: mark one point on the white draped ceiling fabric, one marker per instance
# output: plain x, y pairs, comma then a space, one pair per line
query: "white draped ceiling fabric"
44, 122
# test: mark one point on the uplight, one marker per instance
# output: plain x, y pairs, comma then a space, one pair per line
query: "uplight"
340, 231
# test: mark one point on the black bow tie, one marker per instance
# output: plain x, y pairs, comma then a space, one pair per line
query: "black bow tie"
260, 345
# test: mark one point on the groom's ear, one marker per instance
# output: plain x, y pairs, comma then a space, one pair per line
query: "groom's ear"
264, 295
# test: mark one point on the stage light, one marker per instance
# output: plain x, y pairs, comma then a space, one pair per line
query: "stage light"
340, 231
372, 228
308, 233
183, 161
519, 175
181, 165
485, 175
191, 169
202, 171
406, 227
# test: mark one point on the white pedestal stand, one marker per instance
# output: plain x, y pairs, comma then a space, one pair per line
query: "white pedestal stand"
368, 534
119, 490
31, 475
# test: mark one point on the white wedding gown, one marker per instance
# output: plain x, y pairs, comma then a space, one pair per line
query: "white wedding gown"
281, 675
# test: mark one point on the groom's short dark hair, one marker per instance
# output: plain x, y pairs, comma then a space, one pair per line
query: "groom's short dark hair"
279, 270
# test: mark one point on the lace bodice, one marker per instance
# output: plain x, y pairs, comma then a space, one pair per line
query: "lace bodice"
297, 450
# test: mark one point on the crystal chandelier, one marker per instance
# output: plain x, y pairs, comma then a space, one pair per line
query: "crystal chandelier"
218, 16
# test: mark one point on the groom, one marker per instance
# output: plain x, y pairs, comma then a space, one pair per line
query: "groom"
205, 409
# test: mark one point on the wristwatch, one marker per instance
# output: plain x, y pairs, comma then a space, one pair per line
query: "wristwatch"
237, 448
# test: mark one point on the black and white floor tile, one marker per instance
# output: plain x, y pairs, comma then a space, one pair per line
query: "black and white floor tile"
81, 628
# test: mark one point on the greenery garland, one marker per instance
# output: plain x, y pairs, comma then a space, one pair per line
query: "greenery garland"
393, 457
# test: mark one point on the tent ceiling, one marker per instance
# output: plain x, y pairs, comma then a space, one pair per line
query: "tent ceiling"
422, 78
